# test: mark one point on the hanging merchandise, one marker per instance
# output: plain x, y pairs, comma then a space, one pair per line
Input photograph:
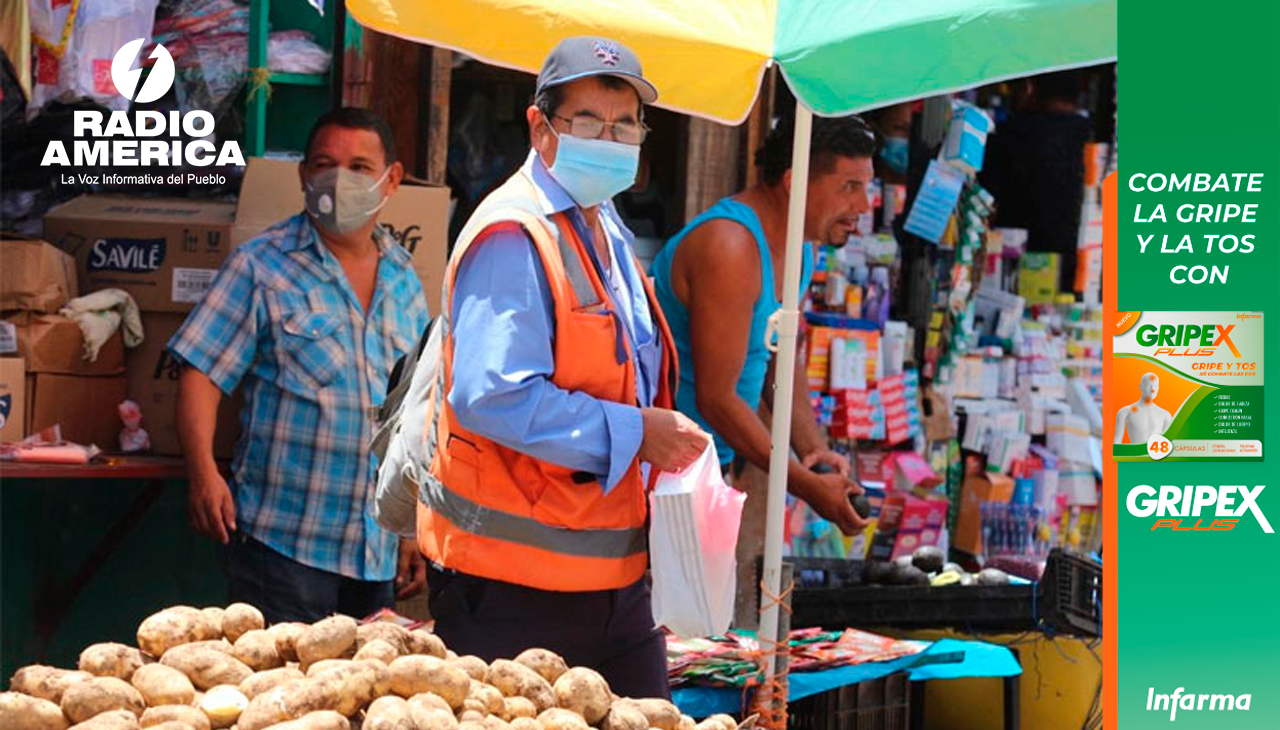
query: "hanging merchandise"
931, 212
76, 43
296, 52
209, 42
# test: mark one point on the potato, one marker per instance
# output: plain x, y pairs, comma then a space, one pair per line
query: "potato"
268, 708
110, 720
286, 637
330, 638
259, 682
687, 723
240, 618
214, 615
525, 723
222, 646
429, 711
413, 674
257, 649
394, 634
513, 707
514, 679
585, 692
326, 664
161, 685
388, 713
488, 696
716, 722
174, 626
223, 705
47, 683
558, 718
187, 714
22, 712
377, 650
660, 713
422, 641
355, 685
171, 725
83, 700
493, 722
474, 666
624, 717
111, 660
471, 725
206, 667
319, 720
544, 662
471, 716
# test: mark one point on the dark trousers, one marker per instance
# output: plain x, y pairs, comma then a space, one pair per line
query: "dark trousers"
611, 632
286, 590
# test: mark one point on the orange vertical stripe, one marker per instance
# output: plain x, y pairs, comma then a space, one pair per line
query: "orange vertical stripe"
1110, 486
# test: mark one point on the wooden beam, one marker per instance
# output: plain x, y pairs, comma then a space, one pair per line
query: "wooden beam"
437, 74
756, 127
711, 165
392, 71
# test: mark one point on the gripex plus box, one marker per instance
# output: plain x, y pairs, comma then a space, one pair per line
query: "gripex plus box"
1188, 386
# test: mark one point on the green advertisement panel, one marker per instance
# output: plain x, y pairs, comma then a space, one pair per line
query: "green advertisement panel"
1198, 632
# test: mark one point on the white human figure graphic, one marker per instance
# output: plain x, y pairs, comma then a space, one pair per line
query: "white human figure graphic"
1143, 418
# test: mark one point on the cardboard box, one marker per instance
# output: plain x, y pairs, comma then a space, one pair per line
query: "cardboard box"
13, 399
51, 343
85, 407
164, 252
153, 384
35, 276
977, 489
418, 215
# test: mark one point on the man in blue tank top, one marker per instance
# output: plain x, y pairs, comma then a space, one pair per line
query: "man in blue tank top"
720, 279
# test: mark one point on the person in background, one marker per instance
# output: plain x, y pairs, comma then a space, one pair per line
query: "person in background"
892, 125
719, 280
1034, 166
310, 316
559, 375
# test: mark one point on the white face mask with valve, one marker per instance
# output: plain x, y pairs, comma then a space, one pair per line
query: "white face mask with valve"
341, 201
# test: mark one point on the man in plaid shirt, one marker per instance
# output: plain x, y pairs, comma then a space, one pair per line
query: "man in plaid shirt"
310, 317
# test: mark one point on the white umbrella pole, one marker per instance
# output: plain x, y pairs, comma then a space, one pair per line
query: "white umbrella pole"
788, 331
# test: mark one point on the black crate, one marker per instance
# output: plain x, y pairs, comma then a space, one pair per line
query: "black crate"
876, 704
987, 608
1072, 600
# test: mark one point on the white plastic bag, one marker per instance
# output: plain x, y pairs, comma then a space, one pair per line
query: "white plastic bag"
693, 535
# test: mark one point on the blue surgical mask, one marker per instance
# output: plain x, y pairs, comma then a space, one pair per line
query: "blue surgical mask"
594, 170
896, 152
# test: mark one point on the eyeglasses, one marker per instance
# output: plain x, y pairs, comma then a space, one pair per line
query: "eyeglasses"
586, 126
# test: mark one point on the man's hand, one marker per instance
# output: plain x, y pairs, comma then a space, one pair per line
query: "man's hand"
411, 573
671, 441
829, 495
210, 506
838, 462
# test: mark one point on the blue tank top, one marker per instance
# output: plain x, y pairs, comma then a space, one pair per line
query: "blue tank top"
751, 381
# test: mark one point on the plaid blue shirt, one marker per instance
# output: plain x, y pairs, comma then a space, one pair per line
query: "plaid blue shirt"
282, 317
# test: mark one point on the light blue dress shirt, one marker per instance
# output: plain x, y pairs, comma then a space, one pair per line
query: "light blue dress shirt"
503, 324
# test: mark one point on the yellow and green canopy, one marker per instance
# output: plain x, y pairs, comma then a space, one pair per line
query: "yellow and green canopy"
839, 56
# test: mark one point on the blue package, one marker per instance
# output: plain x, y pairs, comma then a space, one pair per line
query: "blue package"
935, 202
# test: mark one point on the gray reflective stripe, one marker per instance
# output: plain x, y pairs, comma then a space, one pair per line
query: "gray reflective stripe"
578, 279
488, 522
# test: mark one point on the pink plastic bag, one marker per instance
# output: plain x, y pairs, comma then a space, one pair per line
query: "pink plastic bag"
693, 537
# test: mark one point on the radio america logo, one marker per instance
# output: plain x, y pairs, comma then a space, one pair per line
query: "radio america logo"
147, 138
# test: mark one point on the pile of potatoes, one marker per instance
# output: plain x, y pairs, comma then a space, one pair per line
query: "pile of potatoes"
215, 668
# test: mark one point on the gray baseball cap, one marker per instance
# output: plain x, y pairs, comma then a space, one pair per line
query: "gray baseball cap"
582, 56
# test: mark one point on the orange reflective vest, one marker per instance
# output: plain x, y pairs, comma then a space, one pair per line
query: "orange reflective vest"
498, 513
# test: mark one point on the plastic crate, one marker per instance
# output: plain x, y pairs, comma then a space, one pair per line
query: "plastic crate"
1072, 600
988, 608
876, 704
